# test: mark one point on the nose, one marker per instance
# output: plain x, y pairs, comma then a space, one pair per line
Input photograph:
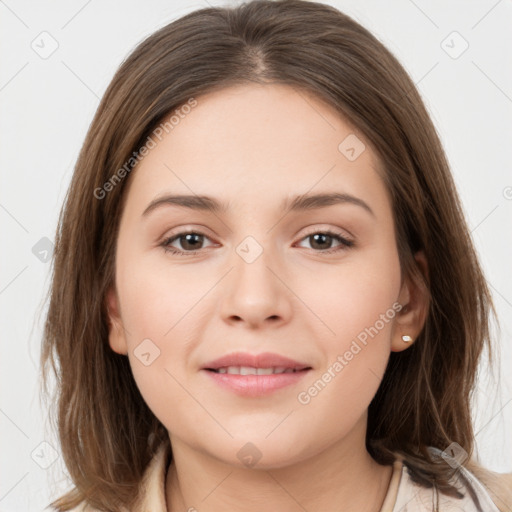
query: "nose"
256, 293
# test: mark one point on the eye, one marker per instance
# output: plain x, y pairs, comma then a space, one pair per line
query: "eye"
190, 242
322, 241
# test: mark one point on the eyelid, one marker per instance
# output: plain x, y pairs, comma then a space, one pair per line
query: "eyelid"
172, 237
203, 230
325, 229
345, 242
185, 230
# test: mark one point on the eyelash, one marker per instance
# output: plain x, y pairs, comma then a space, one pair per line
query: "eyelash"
345, 244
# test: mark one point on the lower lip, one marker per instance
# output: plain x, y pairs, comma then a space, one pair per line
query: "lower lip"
255, 385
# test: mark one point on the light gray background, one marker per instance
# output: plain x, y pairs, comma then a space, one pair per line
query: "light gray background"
48, 103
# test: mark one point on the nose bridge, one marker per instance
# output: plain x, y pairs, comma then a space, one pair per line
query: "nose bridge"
255, 292
252, 261
257, 245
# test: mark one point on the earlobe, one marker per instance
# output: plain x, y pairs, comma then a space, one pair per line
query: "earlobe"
415, 301
116, 335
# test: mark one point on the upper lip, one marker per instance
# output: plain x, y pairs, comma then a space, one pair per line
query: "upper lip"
263, 360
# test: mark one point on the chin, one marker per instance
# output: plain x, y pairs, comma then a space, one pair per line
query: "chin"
256, 452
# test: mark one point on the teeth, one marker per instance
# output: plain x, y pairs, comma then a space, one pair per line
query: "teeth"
249, 370
264, 371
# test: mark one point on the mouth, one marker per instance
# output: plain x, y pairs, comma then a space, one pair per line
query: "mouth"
251, 370
255, 382
255, 375
245, 363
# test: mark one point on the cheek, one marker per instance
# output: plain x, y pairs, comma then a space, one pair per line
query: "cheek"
350, 296
356, 303
156, 296
158, 312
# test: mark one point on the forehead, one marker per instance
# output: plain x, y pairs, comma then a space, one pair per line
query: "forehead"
254, 142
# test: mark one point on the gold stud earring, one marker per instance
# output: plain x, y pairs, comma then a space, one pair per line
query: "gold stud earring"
406, 339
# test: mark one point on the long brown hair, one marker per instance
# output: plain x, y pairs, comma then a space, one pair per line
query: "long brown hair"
107, 432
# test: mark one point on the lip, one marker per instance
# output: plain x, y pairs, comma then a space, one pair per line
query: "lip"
255, 385
263, 360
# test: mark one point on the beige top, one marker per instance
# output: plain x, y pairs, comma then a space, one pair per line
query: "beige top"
403, 494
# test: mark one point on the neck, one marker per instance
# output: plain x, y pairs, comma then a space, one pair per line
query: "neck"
342, 477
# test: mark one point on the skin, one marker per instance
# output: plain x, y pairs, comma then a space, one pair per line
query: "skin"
252, 146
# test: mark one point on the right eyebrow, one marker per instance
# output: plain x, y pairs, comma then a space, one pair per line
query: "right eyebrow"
193, 202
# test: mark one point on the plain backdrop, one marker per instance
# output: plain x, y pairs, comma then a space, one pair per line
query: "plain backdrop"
458, 54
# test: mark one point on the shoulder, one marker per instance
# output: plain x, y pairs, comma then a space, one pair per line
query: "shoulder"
151, 490
492, 490
498, 485
83, 507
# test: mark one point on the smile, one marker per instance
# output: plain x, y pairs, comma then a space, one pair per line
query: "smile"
247, 381
249, 370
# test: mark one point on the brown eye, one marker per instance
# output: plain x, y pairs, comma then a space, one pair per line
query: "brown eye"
321, 241
190, 242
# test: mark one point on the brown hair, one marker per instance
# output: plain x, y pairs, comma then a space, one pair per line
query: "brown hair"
107, 432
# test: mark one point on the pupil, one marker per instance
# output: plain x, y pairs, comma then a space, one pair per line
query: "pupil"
191, 242
323, 238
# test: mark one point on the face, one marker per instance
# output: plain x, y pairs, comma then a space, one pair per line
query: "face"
318, 284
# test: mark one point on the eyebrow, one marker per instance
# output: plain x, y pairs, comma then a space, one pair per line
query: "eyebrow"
302, 202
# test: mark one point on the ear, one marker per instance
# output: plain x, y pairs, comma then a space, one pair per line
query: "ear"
415, 301
116, 334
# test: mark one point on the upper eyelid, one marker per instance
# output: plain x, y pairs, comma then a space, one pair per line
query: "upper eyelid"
310, 231
338, 231
204, 230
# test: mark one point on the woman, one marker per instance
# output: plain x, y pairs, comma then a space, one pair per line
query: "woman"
208, 359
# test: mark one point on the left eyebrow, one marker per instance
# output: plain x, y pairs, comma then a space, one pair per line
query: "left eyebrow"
316, 201
298, 203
